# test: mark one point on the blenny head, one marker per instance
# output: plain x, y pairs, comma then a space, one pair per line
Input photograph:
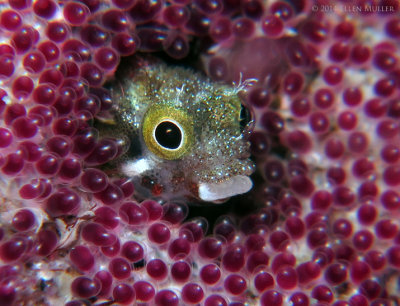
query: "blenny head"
185, 133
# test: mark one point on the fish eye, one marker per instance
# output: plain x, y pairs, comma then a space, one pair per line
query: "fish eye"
167, 132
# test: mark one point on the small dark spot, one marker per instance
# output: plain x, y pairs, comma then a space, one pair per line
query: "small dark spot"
342, 288
148, 182
42, 284
245, 117
28, 265
139, 265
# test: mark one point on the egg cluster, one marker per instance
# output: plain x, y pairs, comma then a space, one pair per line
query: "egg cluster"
326, 142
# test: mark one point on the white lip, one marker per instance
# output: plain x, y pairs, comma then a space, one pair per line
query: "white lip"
137, 167
236, 185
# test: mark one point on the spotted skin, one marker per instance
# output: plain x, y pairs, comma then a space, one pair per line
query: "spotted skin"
213, 152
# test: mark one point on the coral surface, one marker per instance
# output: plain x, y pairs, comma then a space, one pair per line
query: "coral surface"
321, 225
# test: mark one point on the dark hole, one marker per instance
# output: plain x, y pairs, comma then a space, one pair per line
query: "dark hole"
168, 135
245, 117
42, 284
139, 264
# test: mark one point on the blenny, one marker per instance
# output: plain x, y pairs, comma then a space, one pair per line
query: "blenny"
184, 131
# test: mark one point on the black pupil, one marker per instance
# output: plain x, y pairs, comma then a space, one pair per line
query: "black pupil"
168, 135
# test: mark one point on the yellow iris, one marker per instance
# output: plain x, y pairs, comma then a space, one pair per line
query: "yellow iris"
167, 132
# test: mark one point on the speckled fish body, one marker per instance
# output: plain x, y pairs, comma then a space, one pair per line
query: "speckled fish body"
184, 131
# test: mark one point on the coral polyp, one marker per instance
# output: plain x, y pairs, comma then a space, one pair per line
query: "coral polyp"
319, 227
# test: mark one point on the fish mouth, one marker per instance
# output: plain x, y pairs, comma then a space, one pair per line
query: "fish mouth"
212, 192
